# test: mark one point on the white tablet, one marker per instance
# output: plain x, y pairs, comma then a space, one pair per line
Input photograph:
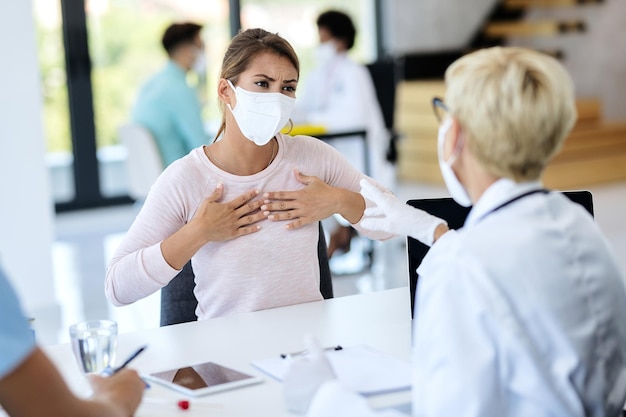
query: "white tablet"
202, 379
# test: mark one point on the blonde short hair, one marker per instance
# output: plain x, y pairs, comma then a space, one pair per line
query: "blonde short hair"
515, 107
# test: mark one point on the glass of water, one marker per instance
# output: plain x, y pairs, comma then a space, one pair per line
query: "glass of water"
94, 343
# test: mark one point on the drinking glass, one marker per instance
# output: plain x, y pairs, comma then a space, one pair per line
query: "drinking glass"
94, 344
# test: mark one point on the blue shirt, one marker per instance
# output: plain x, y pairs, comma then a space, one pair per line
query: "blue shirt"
16, 338
170, 110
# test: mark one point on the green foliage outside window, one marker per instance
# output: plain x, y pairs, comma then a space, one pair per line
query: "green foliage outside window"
124, 51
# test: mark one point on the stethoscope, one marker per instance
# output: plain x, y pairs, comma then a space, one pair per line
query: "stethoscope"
513, 200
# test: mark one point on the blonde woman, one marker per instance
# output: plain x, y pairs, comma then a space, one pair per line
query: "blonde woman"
522, 312
245, 208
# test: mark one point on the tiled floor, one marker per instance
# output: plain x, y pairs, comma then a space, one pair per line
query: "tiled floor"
85, 240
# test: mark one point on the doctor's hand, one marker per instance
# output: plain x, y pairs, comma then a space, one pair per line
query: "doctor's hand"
316, 201
121, 392
392, 216
305, 376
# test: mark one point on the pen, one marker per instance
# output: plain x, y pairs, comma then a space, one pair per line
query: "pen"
304, 352
130, 358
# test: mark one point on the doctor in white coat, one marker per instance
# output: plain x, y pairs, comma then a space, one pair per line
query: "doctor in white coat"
522, 312
339, 94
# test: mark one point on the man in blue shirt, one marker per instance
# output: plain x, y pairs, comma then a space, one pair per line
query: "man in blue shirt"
25, 369
166, 105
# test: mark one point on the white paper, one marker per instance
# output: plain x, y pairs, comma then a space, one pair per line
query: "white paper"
360, 368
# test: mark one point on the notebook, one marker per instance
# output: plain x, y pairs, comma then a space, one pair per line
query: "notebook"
360, 368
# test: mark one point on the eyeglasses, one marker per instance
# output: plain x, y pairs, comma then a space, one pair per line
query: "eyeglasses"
440, 109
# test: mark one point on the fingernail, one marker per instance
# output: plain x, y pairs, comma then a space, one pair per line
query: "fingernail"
271, 217
263, 207
266, 195
265, 213
267, 201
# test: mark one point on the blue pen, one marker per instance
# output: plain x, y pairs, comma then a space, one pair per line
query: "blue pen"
130, 358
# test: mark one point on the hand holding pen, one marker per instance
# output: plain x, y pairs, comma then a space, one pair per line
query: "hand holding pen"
125, 389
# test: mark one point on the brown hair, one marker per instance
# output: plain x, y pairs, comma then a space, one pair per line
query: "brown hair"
244, 48
339, 25
178, 34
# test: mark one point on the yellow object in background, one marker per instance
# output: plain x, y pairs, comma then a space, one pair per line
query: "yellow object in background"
308, 130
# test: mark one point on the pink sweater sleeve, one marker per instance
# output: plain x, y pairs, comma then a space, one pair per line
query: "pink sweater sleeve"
138, 268
338, 172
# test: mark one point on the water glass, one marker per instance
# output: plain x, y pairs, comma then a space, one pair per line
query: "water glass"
94, 344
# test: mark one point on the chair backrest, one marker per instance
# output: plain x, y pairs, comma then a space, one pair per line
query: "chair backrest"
385, 76
178, 302
143, 160
455, 215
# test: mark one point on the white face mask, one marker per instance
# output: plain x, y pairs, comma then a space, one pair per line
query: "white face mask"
199, 64
260, 116
325, 53
455, 188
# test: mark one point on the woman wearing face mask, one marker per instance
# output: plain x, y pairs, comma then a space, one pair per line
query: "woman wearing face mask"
245, 208
522, 312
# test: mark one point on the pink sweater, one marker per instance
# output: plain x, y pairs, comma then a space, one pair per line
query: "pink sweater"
270, 268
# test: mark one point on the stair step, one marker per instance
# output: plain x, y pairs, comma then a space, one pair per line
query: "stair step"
525, 4
538, 28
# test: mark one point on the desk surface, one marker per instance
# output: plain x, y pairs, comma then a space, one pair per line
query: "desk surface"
381, 320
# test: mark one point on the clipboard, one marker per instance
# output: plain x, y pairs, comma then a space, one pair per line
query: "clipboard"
360, 368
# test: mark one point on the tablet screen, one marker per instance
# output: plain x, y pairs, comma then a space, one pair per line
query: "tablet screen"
201, 376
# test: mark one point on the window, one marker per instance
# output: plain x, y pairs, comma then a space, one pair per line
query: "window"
125, 49
56, 116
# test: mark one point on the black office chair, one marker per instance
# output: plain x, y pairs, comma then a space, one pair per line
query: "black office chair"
385, 76
178, 302
455, 215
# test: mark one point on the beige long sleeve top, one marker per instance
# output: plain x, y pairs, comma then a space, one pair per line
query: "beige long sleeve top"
270, 268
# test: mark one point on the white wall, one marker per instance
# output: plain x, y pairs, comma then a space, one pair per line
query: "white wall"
432, 25
596, 59
26, 211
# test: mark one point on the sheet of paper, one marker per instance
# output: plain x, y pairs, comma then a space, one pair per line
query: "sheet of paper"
361, 368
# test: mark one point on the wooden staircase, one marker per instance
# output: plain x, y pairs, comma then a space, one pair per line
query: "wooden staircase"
508, 20
594, 152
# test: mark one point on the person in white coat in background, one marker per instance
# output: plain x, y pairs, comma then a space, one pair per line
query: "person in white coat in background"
522, 311
339, 94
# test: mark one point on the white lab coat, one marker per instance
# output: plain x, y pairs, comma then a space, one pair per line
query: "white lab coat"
340, 95
520, 313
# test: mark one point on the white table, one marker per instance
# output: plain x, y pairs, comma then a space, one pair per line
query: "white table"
381, 320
